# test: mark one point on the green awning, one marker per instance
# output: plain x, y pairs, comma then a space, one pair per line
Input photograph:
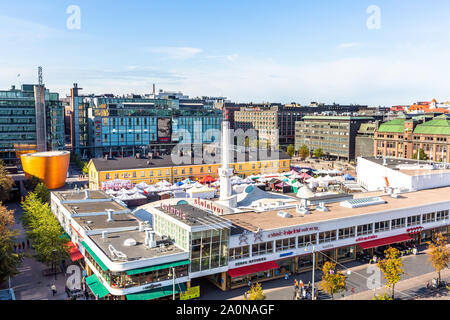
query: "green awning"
96, 286
96, 258
157, 293
157, 267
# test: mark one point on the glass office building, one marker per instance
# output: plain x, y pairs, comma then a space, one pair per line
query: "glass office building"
18, 123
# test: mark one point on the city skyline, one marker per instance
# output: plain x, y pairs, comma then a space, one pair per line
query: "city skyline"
249, 52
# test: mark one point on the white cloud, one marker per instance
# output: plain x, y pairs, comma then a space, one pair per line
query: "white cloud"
176, 53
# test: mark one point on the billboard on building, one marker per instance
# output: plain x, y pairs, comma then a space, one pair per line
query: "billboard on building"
164, 129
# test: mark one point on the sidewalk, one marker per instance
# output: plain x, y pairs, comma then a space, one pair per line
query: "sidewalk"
30, 283
408, 287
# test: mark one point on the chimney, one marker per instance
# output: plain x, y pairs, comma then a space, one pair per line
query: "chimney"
86, 194
154, 89
105, 234
110, 215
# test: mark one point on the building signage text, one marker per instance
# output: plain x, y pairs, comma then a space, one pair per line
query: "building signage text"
366, 238
290, 232
172, 210
208, 205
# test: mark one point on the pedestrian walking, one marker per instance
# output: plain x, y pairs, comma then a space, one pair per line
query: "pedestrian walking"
67, 292
249, 283
53, 288
19, 247
308, 296
304, 294
23, 245
28, 243
296, 284
15, 248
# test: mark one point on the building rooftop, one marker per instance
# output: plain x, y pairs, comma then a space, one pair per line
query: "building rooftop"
137, 252
101, 222
269, 220
166, 161
76, 196
412, 167
94, 207
195, 217
343, 118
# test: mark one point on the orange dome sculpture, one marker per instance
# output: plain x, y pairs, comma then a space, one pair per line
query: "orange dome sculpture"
51, 167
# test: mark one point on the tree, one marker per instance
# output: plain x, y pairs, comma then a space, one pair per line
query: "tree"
303, 152
32, 183
385, 296
290, 150
438, 254
42, 192
333, 281
9, 260
6, 183
255, 293
391, 266
44, 229
422, 155
318, 153
84, 167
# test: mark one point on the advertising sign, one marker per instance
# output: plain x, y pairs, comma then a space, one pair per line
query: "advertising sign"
164, 129
190, 293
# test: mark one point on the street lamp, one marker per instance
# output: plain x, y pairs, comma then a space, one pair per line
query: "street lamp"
54, 261
314, 266
172, 274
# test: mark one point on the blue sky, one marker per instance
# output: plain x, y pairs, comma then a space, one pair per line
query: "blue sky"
246, 50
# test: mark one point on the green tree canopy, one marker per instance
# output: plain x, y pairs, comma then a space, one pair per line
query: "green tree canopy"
44, 229
290, 150
318, 153
6, 183
303, 151
9, 260
422, 155
42, 192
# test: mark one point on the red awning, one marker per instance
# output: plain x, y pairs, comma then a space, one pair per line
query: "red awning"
385, 241
261, 267
75, 254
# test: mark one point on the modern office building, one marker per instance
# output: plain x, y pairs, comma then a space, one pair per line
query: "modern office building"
335, 135
31, 120
404, 137
127, 125
277, 122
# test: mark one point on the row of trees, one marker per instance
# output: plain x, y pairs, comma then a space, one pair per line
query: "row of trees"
43, 228
333, 281
304, 152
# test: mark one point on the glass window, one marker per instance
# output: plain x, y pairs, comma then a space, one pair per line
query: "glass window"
398, 223
429, 217
413, 220
327, 236
346, 233
381, 226
365, 229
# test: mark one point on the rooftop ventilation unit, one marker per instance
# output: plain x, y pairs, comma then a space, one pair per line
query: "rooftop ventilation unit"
284, 214
105, 234
303, 210
129, 243
364, 202
321, 207
110, 215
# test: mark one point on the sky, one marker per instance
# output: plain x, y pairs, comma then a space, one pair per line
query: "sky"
371, 52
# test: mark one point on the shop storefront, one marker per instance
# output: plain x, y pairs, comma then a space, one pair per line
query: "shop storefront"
239, 277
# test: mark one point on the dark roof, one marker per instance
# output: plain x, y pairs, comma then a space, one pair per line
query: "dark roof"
102, 164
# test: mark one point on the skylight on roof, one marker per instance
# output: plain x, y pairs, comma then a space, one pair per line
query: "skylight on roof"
364, 202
